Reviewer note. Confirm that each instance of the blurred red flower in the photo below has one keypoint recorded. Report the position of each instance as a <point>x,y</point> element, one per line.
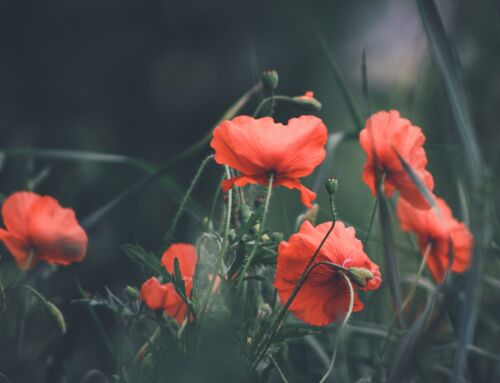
<point>324,296</point>
<point>385,135</point>
<point>164,296</point>
<point>38,228</point>
<point>437,229</point>
<point>260,147</point>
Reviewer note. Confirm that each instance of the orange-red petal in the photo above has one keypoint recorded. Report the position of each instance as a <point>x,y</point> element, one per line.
<point>154,293</point>
<point>19,248</point>
<point>185,254</point>
<point>385,135</point>
<point>324,297</point>
<point>437,228</point>
<point>260,147</point>
<point>55,233</point>
<point>15,212</point>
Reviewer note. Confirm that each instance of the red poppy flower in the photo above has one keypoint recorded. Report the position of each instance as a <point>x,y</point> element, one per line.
<point>436,229</point>
<point>260,147</point>
<point>385,135</point>
<point>38,228</point>
<point>324,296</point>
<point>164,296</point>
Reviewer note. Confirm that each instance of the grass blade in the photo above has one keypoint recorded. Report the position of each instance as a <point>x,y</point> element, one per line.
<point>447,62</point>
<point>391,260</point>
<point>346,93</point>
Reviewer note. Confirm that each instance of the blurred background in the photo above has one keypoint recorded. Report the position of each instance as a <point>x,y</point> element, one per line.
<point>146,78</point>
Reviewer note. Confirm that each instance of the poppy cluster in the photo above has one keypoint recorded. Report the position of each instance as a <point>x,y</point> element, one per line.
<point>39,229</point>
<point>387,137</point>
<point>163,296</point>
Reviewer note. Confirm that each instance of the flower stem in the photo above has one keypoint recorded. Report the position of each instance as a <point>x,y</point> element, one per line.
<point>408,299</point>
<point>250,258</point>
<point>346,318</point>
<point>266,342</point>
<point>189,191</point>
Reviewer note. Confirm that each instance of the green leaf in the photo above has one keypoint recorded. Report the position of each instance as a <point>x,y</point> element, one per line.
<point>178,278</point>
<point>422,188</point>
<point>53,312</point>
<point>144,258</point>
<point>391,260</point>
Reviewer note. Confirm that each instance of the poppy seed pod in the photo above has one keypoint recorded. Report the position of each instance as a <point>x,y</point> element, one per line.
<point>270,79</point>
<point>332,185</point>
<point>360,276</point>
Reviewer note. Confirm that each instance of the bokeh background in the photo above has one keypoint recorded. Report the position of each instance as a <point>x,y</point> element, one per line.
<point>146,78</point>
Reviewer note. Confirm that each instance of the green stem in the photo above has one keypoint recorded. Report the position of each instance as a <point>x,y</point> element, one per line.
<point>173,226</point>
<point>370,223</point>
<point>408,299</point>
<point>250,258</point>
<point>272,100</point>
<point>266,342</point>
<point>349,312</point>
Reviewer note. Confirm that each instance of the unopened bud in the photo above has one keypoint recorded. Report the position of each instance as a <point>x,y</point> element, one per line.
<point>132,293</point>
<point>56,316</point>
<point>277,236</point>
<point>270,79</point>
<point>360,276</point>
<point>307,101</point>
<point>332,185</point>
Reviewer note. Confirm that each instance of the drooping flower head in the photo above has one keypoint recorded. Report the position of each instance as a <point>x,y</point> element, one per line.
<point>39,229</point>
<point>436,229</point>
<point>260,147</point>
<point>385,135</point>
<point>164,296</point>
<point>324,297</point>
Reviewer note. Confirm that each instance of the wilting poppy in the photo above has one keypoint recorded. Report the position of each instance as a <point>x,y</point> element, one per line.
<point>385,135</point>
<point>164,296</point>
<point>38,228</point>
<point>324,296</point>
<point>260,147</point>
<point>436,229</point>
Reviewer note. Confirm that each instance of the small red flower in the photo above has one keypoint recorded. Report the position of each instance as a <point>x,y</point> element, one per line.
<point>260,147</point>
<point>164,296</point>
<point>38,228</point>
<point>385,135</point>
<point>436,229</point>
<point>324,296</point>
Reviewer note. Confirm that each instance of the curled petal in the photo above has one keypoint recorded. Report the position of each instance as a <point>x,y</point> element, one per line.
<point>186,255</point>
<point>19,248</point>
<point>307,196</point>
<point>55,233</point>
<point>154,293</point>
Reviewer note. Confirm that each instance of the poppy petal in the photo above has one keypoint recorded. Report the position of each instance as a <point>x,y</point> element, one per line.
<point>18,247</point>
<point>186,255</point>
<point>154,293</point>
<point>15,211</point>
<point>241,181</point>
<point>55,233</point>
<point>307,196</point>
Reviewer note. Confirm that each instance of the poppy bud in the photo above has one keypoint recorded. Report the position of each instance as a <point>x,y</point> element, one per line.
<point>308,102</point>
<point>56,316</point>
<point>270,80</point>
<point>360,276</point>
<point>265,238</point>
<point>332,185</point>
<point>277,236</point>
<point>132,293</point>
